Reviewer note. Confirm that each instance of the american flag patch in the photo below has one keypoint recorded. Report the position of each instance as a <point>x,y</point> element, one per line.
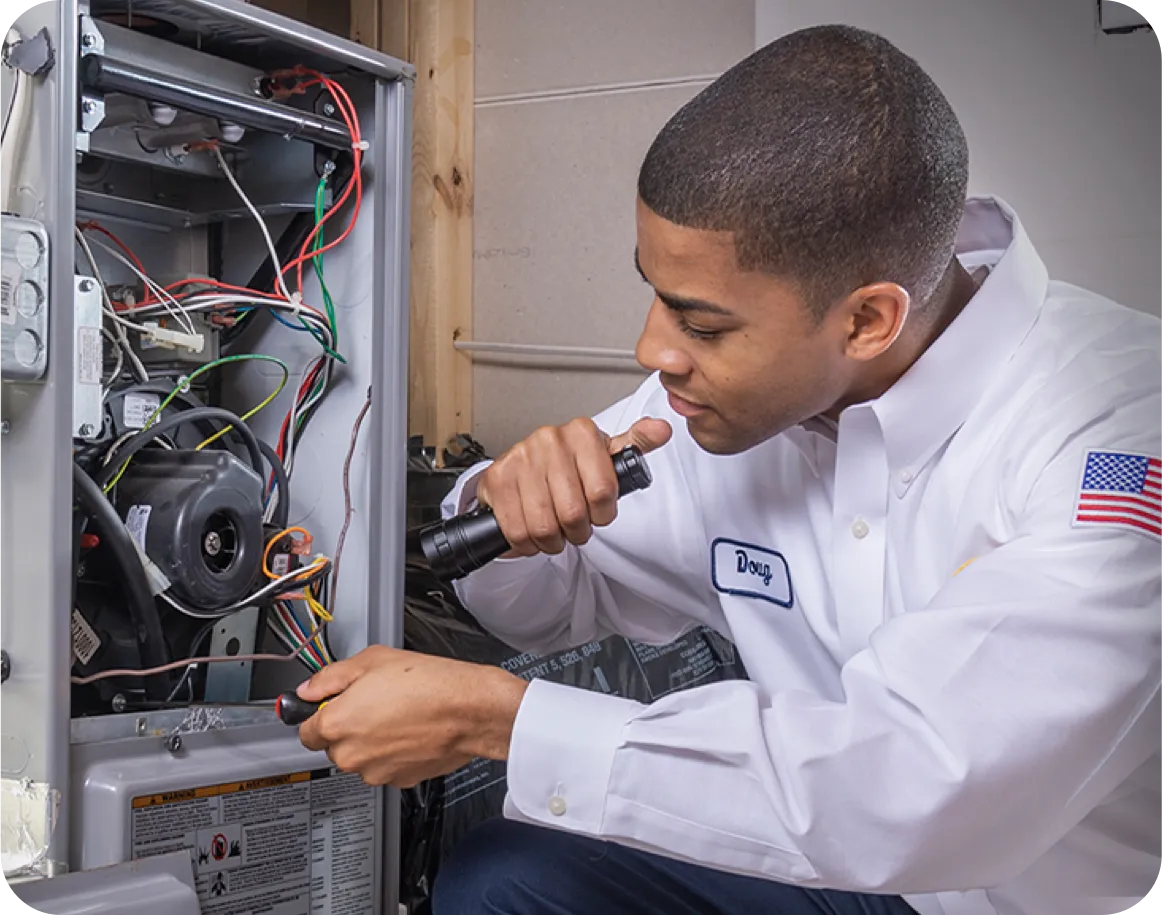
<point>1119,490</point>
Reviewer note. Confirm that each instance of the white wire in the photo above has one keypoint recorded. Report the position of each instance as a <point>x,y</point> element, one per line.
<point>172,305</point>
<point>138,367</point>
<point>269,591</point>
<point>209,302</point>
<point>116,373</point>
<point>226,170</point>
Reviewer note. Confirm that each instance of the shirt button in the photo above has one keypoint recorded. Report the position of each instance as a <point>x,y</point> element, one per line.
<point>860,529</point>
<point>906,476</point>
<point>557,805</point>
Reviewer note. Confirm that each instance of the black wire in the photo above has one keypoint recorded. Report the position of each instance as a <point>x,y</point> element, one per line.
<point>143,438</point>
<point>282,484</point>
<point>142,609</point>
<point>199,638</point>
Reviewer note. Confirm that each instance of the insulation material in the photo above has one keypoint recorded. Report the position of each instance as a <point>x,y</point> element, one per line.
<point>28,818</point>
<point>436,815</point>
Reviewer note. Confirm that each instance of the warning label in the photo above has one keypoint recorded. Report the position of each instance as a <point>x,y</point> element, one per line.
<point>666,673</point>
<point>295,844</point>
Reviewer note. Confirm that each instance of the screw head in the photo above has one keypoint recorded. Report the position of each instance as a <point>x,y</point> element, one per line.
<point>329,108</point>
<point>88,106</point>
<point>119,703</point>
<point>174,743</point>
<point>87,41</point>
<point>86,430</point>
<point>86,285</point>
<point>212,544</point>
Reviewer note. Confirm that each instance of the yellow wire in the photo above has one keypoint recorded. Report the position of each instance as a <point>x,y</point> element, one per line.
<point>225,360</point>
<point>317,608</point>
<point>221,432</point>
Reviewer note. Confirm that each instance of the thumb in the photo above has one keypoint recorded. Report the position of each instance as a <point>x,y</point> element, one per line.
<point>331,681</point>
<point>646,434</point>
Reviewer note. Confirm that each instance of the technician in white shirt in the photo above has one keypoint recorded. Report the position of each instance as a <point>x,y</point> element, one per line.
<point>916,483</point>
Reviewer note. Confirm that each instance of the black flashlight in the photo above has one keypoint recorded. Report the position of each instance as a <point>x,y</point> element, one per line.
<point>463,544</point>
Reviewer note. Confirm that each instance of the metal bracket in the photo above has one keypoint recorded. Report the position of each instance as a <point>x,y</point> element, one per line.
<point>92,111</point>
<point>92,41</point>
<point>232,635</point>
<point>88,359</point>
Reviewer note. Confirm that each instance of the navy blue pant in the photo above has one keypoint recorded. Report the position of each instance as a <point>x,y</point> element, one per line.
<point>506,868</point>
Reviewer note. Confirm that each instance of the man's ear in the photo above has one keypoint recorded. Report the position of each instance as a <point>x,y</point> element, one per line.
<point>874,316</point>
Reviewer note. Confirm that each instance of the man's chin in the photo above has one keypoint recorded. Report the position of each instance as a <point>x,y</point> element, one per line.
<point>713,441</point>
<point>718,440</point>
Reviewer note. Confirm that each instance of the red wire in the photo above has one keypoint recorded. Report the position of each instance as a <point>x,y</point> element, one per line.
<point>97,227</point>
<point>347,112</point>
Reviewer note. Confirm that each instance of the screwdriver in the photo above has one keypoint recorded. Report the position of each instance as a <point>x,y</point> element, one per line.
<point>294,711</point>
<point>289,708</point>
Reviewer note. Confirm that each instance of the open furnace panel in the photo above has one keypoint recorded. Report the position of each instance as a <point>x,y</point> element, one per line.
<point>203,496</point>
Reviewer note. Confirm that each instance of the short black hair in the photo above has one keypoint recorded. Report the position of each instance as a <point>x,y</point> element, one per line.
<point>830,154</point>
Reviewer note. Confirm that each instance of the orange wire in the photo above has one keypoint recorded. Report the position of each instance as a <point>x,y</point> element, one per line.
<point>270,543</point>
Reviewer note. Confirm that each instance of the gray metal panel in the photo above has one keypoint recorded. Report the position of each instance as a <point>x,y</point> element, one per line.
<point>226,25</point>
<point>163,885</point>
<point>108,775</point>
<point>393,144</point>
<point>35,585</point>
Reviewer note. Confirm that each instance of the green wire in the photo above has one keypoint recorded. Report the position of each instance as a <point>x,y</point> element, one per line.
<point>225,360</point>
<point>317,263</point>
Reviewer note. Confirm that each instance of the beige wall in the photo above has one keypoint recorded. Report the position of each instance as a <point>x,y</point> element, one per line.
<point>569,96</point>
<point>1063,120</point>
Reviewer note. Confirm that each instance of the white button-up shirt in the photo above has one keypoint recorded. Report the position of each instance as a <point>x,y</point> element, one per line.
<point>954,654</point>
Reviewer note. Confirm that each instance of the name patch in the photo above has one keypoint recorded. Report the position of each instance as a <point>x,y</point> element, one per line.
<point>747,570</point>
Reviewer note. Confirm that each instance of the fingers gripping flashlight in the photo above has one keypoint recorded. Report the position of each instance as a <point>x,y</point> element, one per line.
<point>463,544</point>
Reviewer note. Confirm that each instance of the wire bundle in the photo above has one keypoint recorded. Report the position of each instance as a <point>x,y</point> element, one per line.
<point>299,601</point>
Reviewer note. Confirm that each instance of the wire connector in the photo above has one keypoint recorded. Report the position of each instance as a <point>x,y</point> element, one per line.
<point>296,303</point>
<point>157,579</point>
<point>172,339</point>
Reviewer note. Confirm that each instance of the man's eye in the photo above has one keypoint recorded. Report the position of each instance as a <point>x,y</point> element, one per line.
<point>696,334</point>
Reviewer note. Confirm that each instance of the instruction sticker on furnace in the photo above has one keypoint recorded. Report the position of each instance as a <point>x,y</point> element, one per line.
<point>295,844</point>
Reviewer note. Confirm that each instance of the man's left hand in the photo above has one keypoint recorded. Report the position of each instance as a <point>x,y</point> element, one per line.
<point>398,717</point>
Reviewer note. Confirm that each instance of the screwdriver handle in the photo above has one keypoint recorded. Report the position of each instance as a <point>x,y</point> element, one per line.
<point>294,711</point>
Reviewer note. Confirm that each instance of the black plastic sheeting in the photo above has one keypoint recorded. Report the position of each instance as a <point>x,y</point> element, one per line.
<point>437,814</point>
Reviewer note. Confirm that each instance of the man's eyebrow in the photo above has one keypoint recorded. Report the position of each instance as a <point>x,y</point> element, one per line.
<point>680,304</point>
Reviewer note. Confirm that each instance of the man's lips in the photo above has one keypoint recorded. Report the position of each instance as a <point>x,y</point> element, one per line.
<point>682,406</point>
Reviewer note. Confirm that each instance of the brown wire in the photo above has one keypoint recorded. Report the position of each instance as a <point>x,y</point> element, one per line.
<point>343,534</point>
<point>186,662</point>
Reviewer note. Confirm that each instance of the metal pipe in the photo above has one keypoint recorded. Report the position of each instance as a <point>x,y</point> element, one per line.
<point>105,74</point>
<point>537,349</point>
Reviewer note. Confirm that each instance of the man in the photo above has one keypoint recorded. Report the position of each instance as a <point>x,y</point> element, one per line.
<point>917,484</point>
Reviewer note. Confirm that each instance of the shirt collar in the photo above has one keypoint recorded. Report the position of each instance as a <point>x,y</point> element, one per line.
<point>929,403</point>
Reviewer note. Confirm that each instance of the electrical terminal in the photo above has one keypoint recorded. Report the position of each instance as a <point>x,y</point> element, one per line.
<point>172,339</point>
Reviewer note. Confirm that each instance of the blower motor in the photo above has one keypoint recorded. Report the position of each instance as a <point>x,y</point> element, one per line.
<point>199,516</point>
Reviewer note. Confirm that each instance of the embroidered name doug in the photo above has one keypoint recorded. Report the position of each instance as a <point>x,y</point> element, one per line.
<point>746,566</point>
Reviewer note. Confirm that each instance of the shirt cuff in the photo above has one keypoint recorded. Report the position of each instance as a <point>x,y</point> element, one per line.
<point>463,495</point>
<point>561,755</point>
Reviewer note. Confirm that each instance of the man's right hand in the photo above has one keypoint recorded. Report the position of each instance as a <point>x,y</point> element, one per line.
<point>559,484</point>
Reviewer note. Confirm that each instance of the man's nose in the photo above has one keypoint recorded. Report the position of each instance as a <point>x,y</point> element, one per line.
<point>657,349</point>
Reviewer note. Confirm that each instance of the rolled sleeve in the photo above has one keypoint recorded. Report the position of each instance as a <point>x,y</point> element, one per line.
<point>562,753</point>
